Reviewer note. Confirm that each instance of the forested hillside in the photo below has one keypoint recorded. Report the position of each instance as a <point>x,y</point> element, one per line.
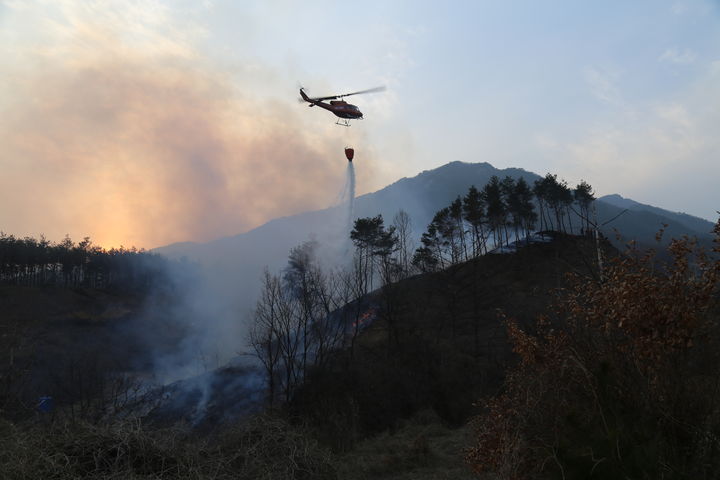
<point>501,340</point>
<point>31,262</point>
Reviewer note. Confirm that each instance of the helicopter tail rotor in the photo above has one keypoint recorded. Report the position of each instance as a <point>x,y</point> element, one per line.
<point>303,96</point>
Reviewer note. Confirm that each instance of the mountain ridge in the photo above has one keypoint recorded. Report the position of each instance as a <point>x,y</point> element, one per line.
<point>691,221</point>
<point>449,176</point>
<point>234,265</point>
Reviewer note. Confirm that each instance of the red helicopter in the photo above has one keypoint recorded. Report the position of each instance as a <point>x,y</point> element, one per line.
<point>340,108</point>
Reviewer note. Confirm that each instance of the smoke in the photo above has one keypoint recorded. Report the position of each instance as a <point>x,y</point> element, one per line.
<point>117,126</point>
<point>214,310</point>
<point>125,132</point>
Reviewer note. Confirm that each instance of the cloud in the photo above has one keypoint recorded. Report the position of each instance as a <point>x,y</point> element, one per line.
<point>664,153</point>
<point>674,55</point>
<point>603,85</point>
<point>114,126</point>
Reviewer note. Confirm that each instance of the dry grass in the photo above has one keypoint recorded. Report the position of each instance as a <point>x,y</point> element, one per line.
<point>125,450</point>
<point>265,448</point>
<point>420,449</point>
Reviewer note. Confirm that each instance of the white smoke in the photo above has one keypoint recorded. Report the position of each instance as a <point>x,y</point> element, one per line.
<point>217,306</point>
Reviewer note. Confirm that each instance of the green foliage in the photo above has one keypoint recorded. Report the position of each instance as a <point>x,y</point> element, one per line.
<point>485,219</point>
<point>370,233</point>
<point>553,197</point>
<point>27,261</point>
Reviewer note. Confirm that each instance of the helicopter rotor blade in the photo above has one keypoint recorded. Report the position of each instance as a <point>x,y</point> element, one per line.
<point>369,90</point>
<point>314,99</point>
<point>319,99</point>
<point>334,97</point>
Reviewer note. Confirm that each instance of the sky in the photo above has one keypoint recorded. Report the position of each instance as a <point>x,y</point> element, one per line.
<point>143,123</point>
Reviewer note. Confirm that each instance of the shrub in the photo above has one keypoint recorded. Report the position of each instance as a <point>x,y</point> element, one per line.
<point>83,450</point>
<point>263,448</point>
<point>269,448</point>
<point>620,381</point>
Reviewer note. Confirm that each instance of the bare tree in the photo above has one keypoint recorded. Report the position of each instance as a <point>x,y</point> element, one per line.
<point>265,331</point>
<point>406,245</point>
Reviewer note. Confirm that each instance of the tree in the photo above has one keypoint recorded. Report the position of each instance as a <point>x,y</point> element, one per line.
<point>565,201</point>
<point>540,189</point>
<point>436,250</point>
<point>496,209</point>
<point>374,248</point>
<point>618,380</point>
<point>553,197</point>
<point>425,258</point>
<point>458,231</point>
<point>524,207</point>
<point>296,326</point>
<point>403,228</point>
<point>28,261</point>
<point>474,215</point>
<point>303,279</point>
<point>365,235</point>
<point>507,189</point>
<point>265,331</point>
<point>584,197</point>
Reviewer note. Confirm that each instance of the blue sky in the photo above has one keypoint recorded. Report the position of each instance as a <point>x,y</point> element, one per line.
<point>625,95</point>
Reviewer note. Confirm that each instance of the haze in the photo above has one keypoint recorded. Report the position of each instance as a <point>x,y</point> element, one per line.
<point>147,123</point>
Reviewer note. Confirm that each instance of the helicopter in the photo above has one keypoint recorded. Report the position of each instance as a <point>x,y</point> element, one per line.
<point>343,110</point>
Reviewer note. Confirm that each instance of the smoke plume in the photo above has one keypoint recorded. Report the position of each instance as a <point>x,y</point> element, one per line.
<point>123,131</point>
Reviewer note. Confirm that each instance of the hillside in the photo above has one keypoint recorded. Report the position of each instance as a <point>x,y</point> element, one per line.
<point>396,405</point>
<point>640,222</point>
<point>439,342</point>
<point>692,223</point>
<point>449,318</point>
<point>441,333</point>
<point>68,343</point>
<point>234,265</point>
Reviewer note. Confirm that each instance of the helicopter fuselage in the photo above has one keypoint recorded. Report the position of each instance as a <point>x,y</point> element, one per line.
<point>340,108</point>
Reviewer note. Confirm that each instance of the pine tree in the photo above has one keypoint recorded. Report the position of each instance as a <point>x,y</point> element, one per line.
<point>474,215</point>
<point>584,197</point>
<point>496,208</point>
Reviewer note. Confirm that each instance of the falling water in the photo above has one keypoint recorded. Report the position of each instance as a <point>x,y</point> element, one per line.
<point>346,197</point>
<point>351,194</point>
<point>343,220</point>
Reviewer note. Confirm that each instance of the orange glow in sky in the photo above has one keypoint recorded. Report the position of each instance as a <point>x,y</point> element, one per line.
<point>137,141</point>
<point>150,122</point>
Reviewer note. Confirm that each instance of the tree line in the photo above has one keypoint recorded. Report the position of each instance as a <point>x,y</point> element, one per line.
<point>32,262</point>
<point>501,212</point>
<point>308,313</point>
